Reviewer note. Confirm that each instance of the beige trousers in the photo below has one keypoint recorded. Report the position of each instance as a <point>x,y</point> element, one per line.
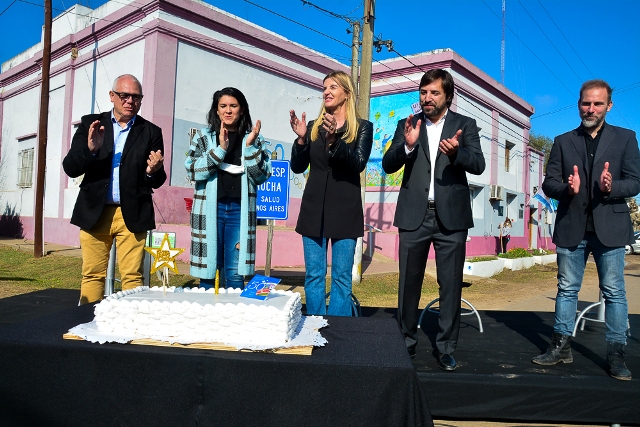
<point>96,244</point>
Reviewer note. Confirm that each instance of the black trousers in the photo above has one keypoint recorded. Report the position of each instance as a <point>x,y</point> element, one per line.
<point>503,243</point>
<point>450,248</point>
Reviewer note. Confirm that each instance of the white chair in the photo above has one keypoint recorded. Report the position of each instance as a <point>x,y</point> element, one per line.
<point>581,318</point>
<point>470,310</point>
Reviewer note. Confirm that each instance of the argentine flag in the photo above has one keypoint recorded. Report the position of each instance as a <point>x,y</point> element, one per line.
<point>549,204</point>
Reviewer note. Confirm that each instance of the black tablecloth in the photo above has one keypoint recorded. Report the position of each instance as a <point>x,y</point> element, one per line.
<point>363,376</point>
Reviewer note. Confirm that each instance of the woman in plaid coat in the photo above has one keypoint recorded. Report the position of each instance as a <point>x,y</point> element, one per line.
<point>227,161</point>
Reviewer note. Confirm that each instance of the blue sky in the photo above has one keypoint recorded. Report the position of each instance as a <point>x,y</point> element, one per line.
<point>552,46</point>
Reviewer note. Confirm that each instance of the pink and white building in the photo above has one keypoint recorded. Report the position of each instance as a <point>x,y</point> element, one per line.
<point>184,50</point>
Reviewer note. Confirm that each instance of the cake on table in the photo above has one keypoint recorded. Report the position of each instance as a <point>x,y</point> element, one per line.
<point>197,316</point>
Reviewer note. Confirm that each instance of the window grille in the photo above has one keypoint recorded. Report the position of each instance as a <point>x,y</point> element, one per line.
<point>25,168</point>
<point>507,155</point>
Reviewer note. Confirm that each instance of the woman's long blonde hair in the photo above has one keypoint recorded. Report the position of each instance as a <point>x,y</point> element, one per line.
<point>344,81</point>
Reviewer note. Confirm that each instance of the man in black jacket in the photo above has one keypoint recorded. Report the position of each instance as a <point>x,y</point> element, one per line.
<point>437,148</point>
<point>591,170</point>
<point>120,155</point>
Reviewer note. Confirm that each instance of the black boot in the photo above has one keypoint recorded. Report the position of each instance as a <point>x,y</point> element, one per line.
<point>559,351</point>
<point>615,361</point>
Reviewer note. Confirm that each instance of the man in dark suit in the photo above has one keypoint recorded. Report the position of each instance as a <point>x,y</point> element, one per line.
<point>437,148</point>
<point>120,155</point>
<point>591,170</point>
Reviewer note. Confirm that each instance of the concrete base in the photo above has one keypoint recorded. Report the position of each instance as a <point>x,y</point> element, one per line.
<point>484,268</point>
<point>519,263</point>
<point>544,259</point>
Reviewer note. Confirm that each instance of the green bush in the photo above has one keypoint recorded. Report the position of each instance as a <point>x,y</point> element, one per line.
<point>538,252</point>
<point>516,253</point>
<point>482,258</point>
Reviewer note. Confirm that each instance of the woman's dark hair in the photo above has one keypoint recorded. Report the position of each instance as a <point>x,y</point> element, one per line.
<point>244,125</point>
<point>446,79</point>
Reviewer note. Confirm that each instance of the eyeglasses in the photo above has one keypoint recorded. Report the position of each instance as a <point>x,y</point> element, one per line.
<point>135,97</point>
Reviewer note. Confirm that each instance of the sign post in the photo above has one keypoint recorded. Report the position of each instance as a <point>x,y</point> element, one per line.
<point>272,202</point>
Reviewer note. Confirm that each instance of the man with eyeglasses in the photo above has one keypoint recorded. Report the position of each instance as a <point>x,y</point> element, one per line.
<point>120,155</point>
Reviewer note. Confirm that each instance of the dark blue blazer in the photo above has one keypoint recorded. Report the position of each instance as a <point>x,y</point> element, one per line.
<point>611,216</point>
<point>450,184</point>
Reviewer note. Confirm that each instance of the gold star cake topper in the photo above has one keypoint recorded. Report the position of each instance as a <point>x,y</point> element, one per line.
<point>164,256</point>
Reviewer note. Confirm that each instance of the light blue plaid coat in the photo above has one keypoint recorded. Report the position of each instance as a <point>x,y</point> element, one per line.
<point>202,167</point>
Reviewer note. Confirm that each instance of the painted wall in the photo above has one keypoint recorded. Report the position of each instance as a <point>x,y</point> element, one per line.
<point>94,80</point>
<point>482,115</point>
<point>54,147</point>
<point>270,98</point>
<point>182,52</point>
<point>19,132</point>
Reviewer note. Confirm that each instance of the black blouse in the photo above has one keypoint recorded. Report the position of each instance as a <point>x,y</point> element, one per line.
<point>331,204</point>
<point>229,185</point>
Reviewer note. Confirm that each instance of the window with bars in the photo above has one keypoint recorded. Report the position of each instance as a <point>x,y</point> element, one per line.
<point>507,154</point>
<point>25,168</point>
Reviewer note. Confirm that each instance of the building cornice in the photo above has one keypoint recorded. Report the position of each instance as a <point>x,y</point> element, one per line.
<point>418,64</point>
<point>194,12</point>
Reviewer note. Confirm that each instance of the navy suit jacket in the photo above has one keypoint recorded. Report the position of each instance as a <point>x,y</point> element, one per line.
<point>450,184</point>
<point>611,217</point>
<point>135,186</point>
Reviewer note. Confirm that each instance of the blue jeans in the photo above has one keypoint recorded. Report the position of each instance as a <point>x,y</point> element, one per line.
<point>610,265</point>
<point>315,260</point>
<point>228,243</point>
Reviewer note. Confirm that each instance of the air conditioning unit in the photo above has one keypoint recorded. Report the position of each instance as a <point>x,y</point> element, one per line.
<point>496,192</point>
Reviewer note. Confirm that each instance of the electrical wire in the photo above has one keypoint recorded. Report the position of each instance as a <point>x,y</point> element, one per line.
<point>562,56</point>
<point>565,38</point>
<point>550,41</point>
<point>7,8</point>
<point>298,23</point>
<point>530,50</point>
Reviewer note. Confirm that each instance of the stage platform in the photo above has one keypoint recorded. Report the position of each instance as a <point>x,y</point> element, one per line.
<point>495,380</point>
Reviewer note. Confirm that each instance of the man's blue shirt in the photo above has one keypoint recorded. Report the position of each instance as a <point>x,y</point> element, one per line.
<point>119,138</point>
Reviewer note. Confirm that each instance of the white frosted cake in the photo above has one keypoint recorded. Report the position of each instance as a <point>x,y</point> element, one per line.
<point>196,315</point>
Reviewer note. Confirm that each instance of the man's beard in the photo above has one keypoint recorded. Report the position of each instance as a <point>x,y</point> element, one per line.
<point>435,112</point>
<point>592,124</point>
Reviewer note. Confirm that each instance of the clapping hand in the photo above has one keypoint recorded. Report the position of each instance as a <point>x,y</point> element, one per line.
<point>298,126</point>
<point>411,133</point>
<point>574,182</point>
<point>450,146</point>
<point>154,162</point>
<point>254,133</point>
<point>224,137</point>
<point>330,125</point>
<point>605,179</point>
<point>96,136</point>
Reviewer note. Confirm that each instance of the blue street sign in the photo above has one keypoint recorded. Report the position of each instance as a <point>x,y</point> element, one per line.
<point>273,195</point>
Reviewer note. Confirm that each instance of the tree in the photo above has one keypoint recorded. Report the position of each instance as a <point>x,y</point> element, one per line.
<point>541,143</point>
<point>635,212</point>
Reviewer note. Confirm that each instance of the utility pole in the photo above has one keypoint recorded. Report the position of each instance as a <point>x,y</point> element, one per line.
<point>362,86</point>
<point>502,50</point>
<point>355,50</point>
<point>364,95</point>
<point>38,238</point>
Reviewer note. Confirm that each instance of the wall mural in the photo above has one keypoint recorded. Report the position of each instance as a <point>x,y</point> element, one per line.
<point>384,113</point>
